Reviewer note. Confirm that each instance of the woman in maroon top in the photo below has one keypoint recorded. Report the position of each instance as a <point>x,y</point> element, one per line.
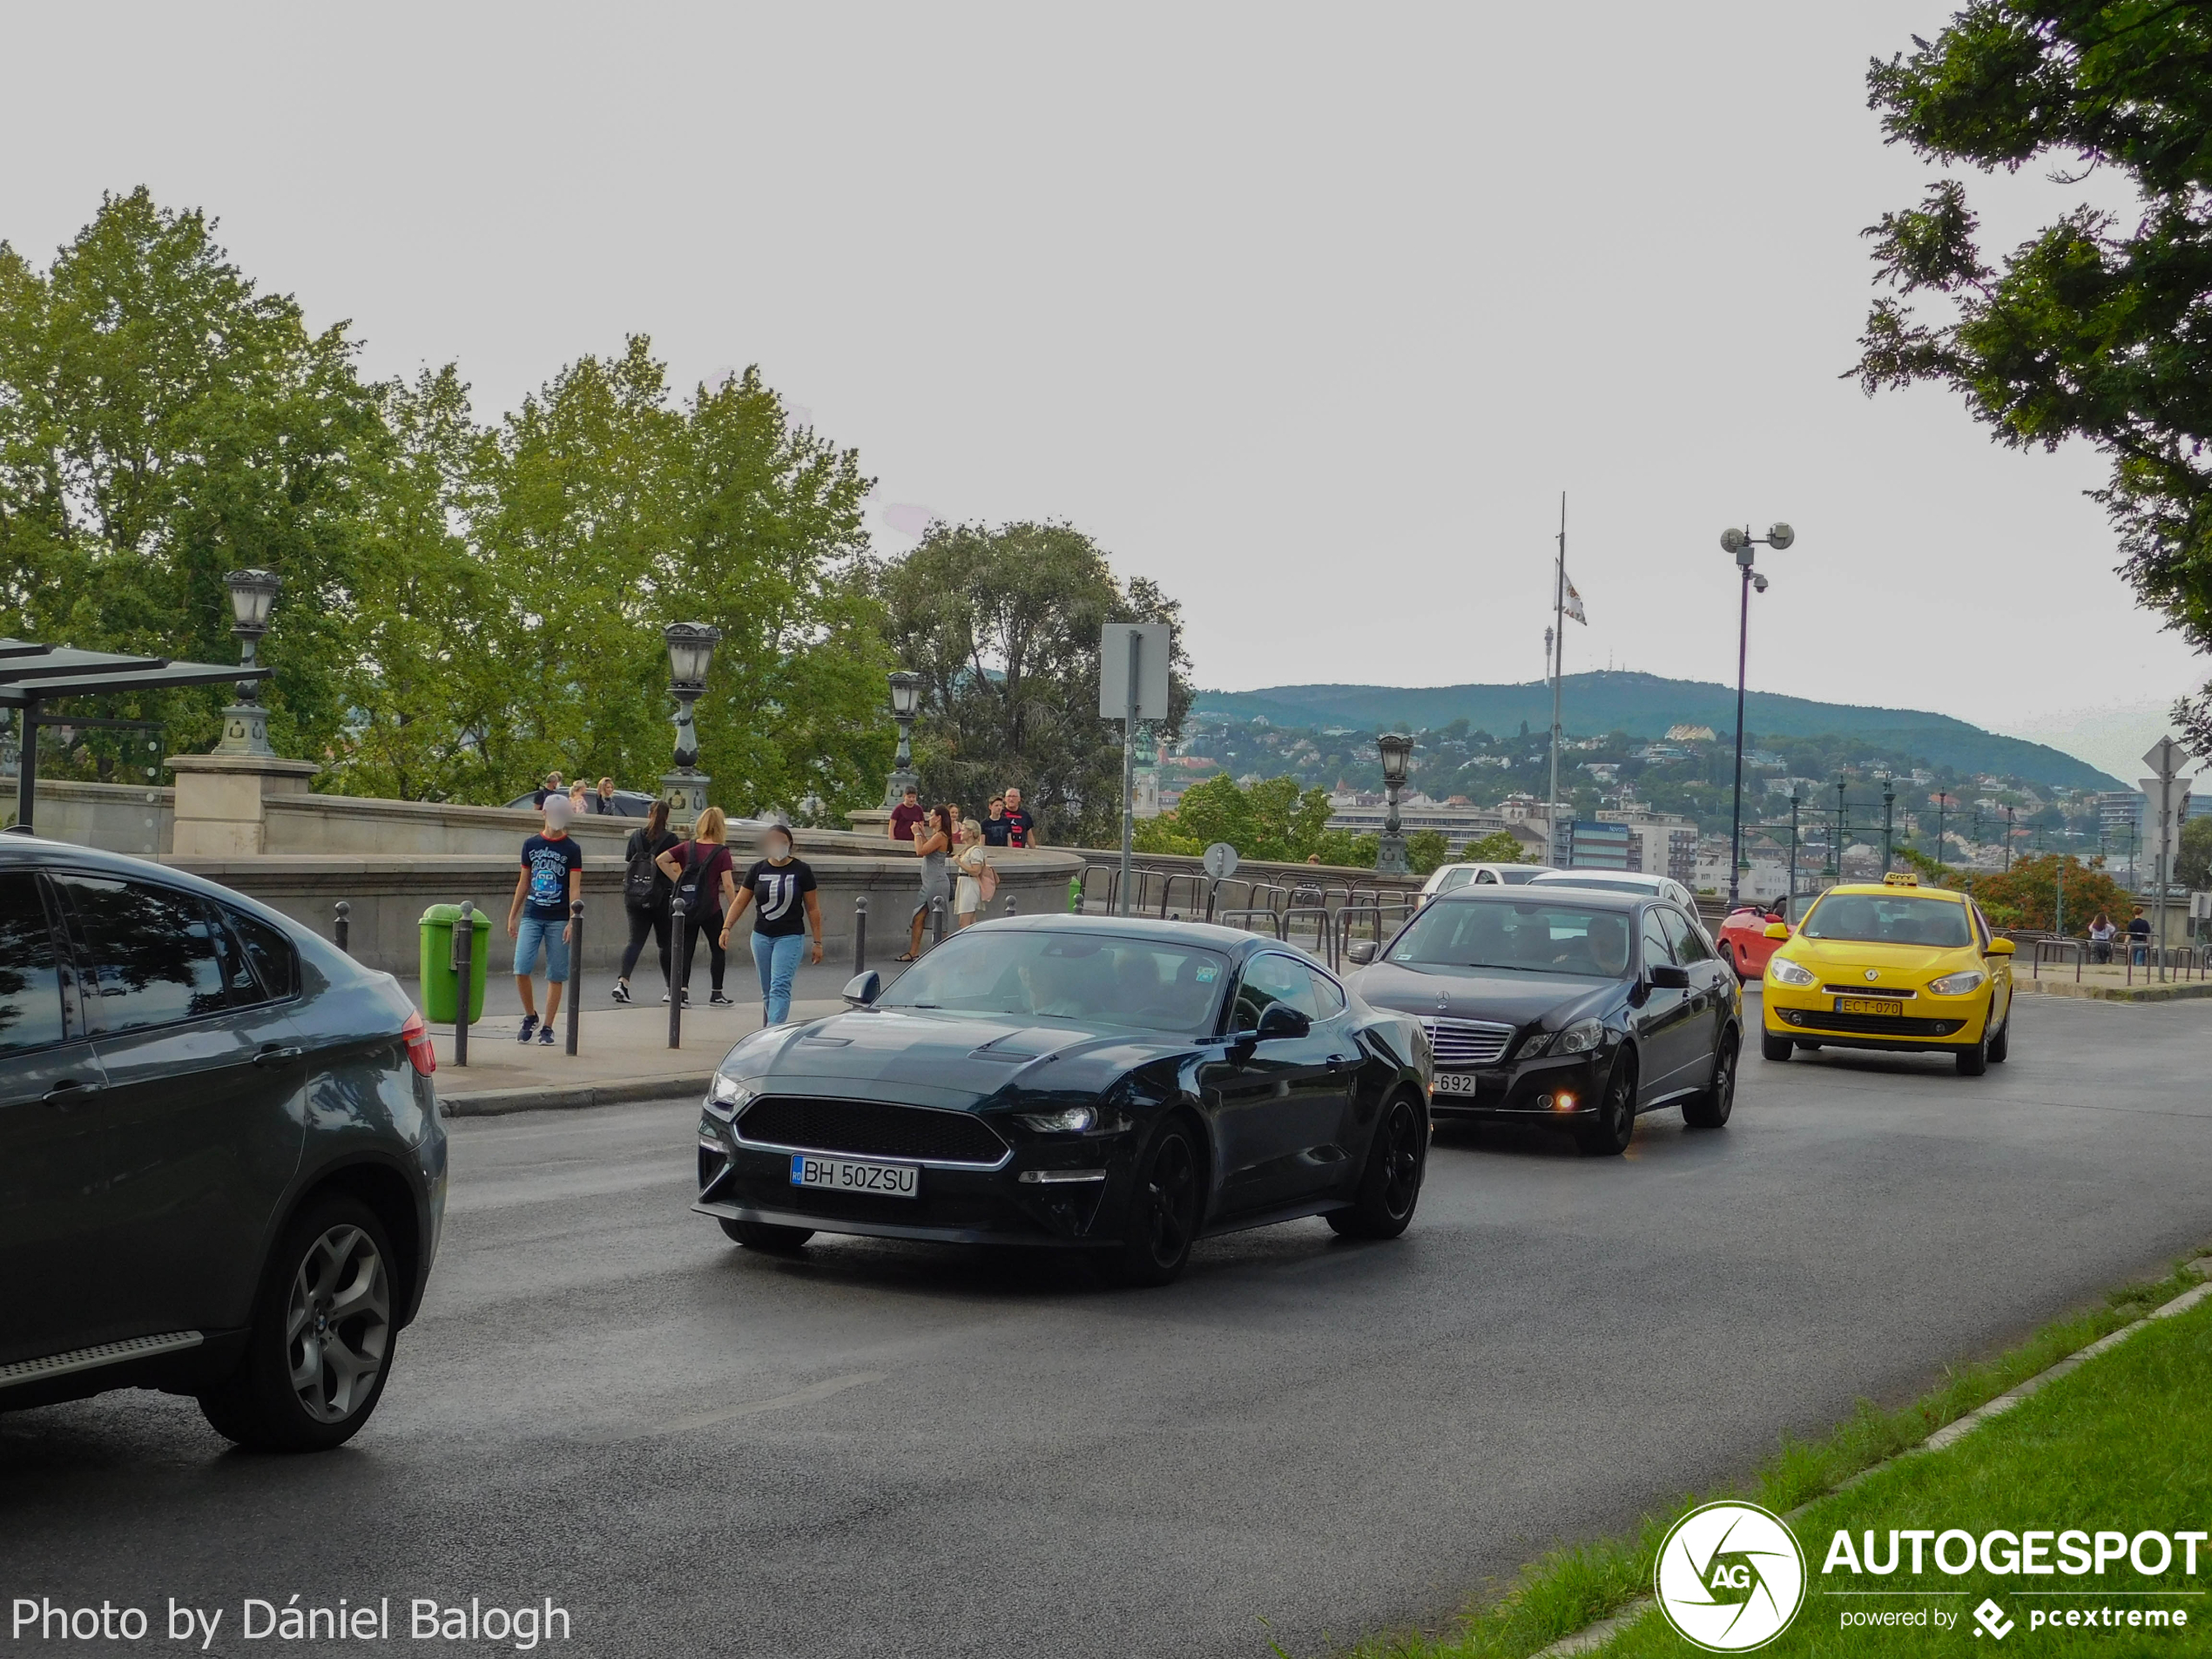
<point>704,851</point>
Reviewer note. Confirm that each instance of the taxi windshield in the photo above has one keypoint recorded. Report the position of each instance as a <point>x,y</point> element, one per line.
<point>1887,919</point>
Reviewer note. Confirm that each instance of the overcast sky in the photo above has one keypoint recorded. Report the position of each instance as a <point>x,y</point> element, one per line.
<point>1310,313</point>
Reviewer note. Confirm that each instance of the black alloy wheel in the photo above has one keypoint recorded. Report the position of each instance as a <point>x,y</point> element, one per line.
<point>2001,1044</point>
<point>1710,1109</point>
<point>320,1345</point>
<point>1389,1185</point>
<point>1615,1125</point>
<point>1974,1060</point>
<point>1163,1211</point>
<point>761,1235</point>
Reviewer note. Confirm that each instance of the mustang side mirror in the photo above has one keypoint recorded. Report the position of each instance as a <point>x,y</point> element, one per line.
<point>1359,951</point>
<point>1281,1020</point>
<point>1669,976</point>
<point>1777,930</point>
<point>2000,947</point>
<point>862,989</point>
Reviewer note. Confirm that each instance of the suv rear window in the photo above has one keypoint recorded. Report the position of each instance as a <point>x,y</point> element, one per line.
<point>154,957</point>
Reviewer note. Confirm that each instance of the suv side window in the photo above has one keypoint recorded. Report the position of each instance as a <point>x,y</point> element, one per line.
<point>1688,943</point>
<point>1269,978</point>
<point>30,978</point>
<point>275,962</point>
<point>154,959</point>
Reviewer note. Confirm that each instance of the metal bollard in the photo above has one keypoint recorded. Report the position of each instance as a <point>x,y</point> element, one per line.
<point>936,922</point>
<point>575,970</point>
<point>860,934</point>
<point>464,951</point>
<point>679,958</point>
<point>1011,907</point>
<point>342,930</point>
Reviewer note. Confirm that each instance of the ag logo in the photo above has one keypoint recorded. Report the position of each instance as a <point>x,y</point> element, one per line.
<point>1730,1577</point>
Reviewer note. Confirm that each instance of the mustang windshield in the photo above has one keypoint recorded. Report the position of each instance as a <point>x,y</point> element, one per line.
<point>1532,936</point>
<point>1152,984</point>
<point>1884,919</point>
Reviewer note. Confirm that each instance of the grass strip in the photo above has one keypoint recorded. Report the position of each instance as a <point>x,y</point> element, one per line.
<point>1570,1588</point>
<point>2123,1443</point>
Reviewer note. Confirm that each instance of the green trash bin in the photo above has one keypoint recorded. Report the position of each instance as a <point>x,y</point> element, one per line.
<point>440,988</point>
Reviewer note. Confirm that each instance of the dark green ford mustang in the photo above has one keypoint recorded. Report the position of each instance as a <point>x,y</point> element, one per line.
<point>1122,1086</point>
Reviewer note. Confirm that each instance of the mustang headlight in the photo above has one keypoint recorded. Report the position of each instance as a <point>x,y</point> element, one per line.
<point>1956,984</point>
<point>726,1096</point>
<point>1783,971</point>
<point>1074,1121</point>
<point>1579,1038</point>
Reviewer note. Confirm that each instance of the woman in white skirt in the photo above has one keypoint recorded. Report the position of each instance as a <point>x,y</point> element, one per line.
<point>970,860</point>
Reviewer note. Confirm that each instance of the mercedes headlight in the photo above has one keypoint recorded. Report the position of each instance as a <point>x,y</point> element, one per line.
<point>726,1096</point>
<point>1579,1038</point>
<point>1074,1121</point>
<point>1958,984</point>
<point>1783,971</point>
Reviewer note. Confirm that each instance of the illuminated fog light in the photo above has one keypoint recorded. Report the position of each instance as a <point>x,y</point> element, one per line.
<point>1566,1102</point>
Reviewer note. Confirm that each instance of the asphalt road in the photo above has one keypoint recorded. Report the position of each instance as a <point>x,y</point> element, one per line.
<point>901,1450</point>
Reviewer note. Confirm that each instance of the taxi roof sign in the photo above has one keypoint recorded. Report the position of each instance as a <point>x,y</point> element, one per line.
<point>1900,879</point>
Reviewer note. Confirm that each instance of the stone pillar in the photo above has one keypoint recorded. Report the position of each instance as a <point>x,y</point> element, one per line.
<point>684,790</point>
<point>220,800</point>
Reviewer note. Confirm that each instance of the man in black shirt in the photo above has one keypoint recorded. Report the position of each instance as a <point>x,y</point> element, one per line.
<point>2139,937</point>
<point>1021,830</point>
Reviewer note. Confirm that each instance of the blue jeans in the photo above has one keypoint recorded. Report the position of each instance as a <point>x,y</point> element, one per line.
<point>777,957</point>
<point>533,933</point>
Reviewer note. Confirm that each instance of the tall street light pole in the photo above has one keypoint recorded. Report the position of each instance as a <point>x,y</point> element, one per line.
<point>1790,907</point>
<point>691,648</point>
<point>1836,852</point>
<point>1889,823</point>
<point>906,698</point>
<point>245,722</point>
<point>1740,544</point>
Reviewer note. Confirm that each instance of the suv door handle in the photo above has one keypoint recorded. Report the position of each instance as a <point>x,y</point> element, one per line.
<point>68,1092</point>
<point>272,1055</point>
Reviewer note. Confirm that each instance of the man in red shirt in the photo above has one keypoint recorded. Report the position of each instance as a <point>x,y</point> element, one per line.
<point>906,815</point>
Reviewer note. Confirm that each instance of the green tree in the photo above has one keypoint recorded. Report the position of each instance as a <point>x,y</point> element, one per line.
<point>1003,626</point>
<point>1499,846</point>
<point>2193,863</point>
<point>1426,849</point>
<point>162,422</point>
<point>2096,328</point>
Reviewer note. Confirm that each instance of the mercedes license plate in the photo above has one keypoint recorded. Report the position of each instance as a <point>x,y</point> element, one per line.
<point>1457,1083</point>
<point>846,1175</point>
<point>1866,1005</point>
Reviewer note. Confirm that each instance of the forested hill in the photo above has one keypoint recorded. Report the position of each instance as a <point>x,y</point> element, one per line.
<point>1644,705</point>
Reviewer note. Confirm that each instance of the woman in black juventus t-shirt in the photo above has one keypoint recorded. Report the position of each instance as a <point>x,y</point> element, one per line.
<point>780,890</point>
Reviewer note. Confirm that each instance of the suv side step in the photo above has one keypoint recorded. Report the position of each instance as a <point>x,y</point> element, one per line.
<point>106,1353</point>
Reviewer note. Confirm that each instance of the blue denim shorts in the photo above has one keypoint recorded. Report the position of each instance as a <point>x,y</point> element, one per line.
<point>533,933</point>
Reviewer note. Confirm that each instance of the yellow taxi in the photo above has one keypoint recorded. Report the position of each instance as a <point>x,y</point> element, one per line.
<point>1894,966</point>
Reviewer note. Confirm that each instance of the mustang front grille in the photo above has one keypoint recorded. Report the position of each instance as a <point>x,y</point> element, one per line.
<point>871,1129</point>
<point>1458,1043</point>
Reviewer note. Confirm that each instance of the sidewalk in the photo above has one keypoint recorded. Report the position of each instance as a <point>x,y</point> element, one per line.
<point>621,1053</point>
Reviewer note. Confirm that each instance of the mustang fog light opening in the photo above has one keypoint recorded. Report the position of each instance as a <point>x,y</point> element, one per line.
<point>1058,1177</point>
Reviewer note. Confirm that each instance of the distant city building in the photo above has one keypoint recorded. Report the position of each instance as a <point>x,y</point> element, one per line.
<point>2120,813</point>
<point>1594,844</point>
<point>1764,759</point>
<point>1667,844</point>
<point>1457,819</point>
<point>1690,734</point>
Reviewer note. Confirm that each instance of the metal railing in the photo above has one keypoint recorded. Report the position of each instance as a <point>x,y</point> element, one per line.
<point>2056,949</point>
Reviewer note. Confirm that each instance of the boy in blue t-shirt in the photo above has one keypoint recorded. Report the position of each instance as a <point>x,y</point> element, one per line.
<point>552,876</point>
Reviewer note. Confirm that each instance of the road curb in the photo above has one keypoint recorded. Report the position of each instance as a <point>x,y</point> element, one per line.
<point>2188,992</point>
<point>490,1103</point>
<point>1595,1636</point>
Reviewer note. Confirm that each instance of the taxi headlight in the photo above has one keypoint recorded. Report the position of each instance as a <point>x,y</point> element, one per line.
<point>1783,971</point>
<point>1958,984</point>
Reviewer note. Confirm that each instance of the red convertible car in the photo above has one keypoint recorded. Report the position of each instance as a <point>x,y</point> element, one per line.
<point>1743,940</point>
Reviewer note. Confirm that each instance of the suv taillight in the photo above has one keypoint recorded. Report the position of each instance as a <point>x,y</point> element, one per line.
<point>416,1036</point>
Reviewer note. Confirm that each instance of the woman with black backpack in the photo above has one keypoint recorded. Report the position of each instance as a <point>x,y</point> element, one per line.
<point>703,887</point>
<point>646,894</point>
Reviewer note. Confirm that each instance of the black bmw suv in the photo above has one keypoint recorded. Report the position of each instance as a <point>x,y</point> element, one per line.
<point>222,1171</point>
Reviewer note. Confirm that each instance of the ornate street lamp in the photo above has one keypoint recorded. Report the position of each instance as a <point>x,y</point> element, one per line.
<point>245,722</point>
<point>1740,543</point>
<point>906,700</point>
<point>1889,822</point>
<point>1396,748</point>
<point>691,648</point>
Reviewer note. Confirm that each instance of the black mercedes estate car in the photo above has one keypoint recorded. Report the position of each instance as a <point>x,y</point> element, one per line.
<point>1561,1005</point>
<point>222,1171</point>
<point>1119,1086</point>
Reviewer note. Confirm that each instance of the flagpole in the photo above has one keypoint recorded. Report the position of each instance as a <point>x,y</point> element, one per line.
<point>1558,652</point>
